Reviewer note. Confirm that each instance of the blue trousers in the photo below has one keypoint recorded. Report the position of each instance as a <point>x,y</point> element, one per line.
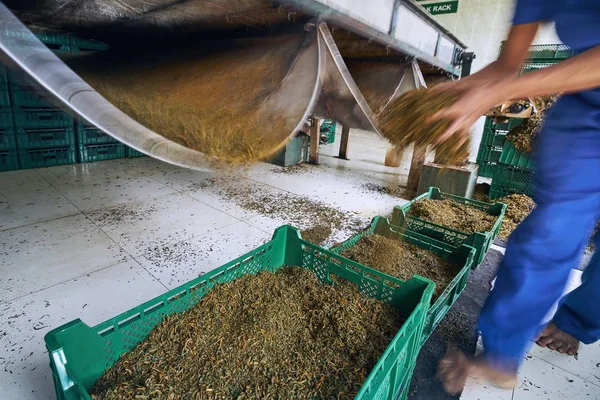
<point>550,242</point>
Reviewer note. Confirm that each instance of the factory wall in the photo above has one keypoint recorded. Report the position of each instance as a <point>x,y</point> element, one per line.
<point>482,25</point>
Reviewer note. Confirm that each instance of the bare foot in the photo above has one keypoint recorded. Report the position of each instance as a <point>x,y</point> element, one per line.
<point>555,339</point>
<point>455,368</point>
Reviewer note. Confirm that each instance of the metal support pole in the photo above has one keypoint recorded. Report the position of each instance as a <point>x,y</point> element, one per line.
<point>416,169</point>
<point>315,137</point>
<point>467,61</point>
<point>344,143</point>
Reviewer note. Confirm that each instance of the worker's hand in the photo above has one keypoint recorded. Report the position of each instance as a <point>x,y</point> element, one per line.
<point>474,101</point>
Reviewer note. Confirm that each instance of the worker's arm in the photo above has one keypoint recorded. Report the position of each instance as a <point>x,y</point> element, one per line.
<point>573,75</point>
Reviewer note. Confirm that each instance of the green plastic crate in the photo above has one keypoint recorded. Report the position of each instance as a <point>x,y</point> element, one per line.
<point>56,41</point>
<point>493,138</point>
<point>328,128</point>
<point>133,153</point>
<point>502,126</point>
<point>7,139</point>
<point>87,134</point>
<point>6,118</point>
<point>510,180</point>
<point>101,152</point>
<point>295,152</point>
<point>9,160</point>
<point>41,117</point>
<point>480,241</point>
<point>528,67</point>
<point>26,96</point>
<point>3,74</point>
<point>487,158</point>
<point>38,158</point>
<point>549,52</point>
<point>4,94</point>
<point>511,156</point>
<point>38,138</point>
<point>462,255</point>
<point>79,354</point>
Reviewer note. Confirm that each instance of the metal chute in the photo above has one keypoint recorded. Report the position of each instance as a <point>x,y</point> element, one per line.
<point>322,79</point>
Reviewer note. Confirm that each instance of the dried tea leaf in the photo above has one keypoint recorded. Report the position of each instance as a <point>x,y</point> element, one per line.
<point>267,336</point>
<point>518,207</point>
<point>407,120</point>
<point>402,260</point>
<point>453,214</point>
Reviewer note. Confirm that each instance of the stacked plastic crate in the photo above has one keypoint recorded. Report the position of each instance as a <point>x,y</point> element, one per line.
<point>45,134</point>
<point>492,143</point>
<point>8,146</point>
<point>95,145</point>
<point>511,171</point>
<point>34,132</point>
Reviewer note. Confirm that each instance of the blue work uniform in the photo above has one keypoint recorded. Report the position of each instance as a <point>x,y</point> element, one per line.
<point>550,242</point>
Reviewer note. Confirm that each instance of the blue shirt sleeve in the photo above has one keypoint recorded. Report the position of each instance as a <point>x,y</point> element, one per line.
<point>528,11</point>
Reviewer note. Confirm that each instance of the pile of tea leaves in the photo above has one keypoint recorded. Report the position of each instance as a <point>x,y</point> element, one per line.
<point>453,214</point>
<point>523,136</point>
<point>200,96</point>
<point>269,336</point>
<point>518,207</point>
<point>317,234</point>
<point>402,260</point>
<point>407,119</point>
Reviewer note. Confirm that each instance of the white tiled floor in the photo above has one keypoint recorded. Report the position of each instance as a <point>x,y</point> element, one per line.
<point>91,241</point>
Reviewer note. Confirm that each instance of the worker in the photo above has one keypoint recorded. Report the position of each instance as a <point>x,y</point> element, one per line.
<point>550,242</point>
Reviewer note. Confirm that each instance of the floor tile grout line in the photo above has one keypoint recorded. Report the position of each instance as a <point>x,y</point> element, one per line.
<point>43,221</point>
<point>151,274</point>
<point>4,302</point>
<point>108,236</point>
<point>183,192</point>
<point>565,370</point>
<point>114,241</point>
<point>51,219</point>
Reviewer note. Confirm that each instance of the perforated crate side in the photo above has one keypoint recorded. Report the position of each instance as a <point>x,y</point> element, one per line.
<point>87,134</point>
<point>133,153</point>
<point>101,152</point>
<point>9,160</point>
<point>480,241</point>
<point>511,156</point>
<point>41,117</point>
<point>39,138</point>
<point>509,179</point>
<point>461,255</point>
<point>8,140</point>
<point>38,158</point>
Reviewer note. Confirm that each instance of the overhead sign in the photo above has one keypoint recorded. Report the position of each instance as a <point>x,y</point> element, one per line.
<point>446,7</point>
